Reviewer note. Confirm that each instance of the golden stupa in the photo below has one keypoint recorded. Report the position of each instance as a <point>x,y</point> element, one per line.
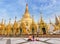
<point>26,21</point>
<point>43,27</point>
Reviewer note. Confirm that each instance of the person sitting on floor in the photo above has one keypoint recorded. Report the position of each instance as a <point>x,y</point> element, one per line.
<point>30,38</point>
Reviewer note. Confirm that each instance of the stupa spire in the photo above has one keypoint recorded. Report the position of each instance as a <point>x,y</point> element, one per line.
<point>26,14</point>
<point>32,18</point>
<point>15,18</point>
<point>59,19</point>
<point>41,19</point>
<point>26,10</point>
<point>2,21</point>
<point>50,21</point>
<point>9,20</point>
<point>56,20</point>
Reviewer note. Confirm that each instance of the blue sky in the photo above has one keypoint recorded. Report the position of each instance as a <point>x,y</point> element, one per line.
<point>12,8</point>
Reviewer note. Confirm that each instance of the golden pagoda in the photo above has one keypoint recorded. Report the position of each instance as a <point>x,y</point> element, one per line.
<point>56,20</point>
<point>56,24</point>
<point>26,19</point>
<point>8,28</point>
<point>15,27</point>
<point>23,29</point>
<point>33,27</point>
<point>2,27</point>
<point>43,28</point>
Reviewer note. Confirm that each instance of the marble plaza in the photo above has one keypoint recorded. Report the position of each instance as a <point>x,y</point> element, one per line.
<point>24,41</point>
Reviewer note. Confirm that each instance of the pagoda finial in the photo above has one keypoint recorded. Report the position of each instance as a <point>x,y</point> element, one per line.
<point>26,8</point>
<point>9,20</point>
<point>15,18</point>
<point>26,4</point>
<point>41,18</point>
<point>2,21</point>
<point>32,18</point>
<point>41,15</point>
<point>50,21</point>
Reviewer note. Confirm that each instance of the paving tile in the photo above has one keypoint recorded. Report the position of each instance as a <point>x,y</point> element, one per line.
<point>20,40</point>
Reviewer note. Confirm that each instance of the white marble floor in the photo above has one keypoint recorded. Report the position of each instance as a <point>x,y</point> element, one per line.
<point>24,41</point>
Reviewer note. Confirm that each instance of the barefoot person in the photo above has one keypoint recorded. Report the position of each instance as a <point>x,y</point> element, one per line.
<point>30,38</point>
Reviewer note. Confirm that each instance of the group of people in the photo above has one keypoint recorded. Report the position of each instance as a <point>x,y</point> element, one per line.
<point>32,38</point>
